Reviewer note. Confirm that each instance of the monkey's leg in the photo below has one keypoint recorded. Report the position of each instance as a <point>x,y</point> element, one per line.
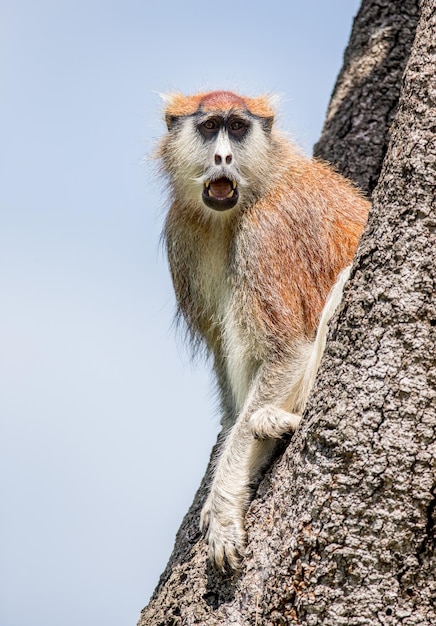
<point>278,418</point>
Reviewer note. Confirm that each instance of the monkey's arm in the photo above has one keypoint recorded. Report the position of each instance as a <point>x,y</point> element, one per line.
<point>246,452</point>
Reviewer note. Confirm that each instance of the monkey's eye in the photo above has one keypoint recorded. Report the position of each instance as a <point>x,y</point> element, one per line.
<point>238,128</point>
<point>237,125</point>
<point>210,126</point>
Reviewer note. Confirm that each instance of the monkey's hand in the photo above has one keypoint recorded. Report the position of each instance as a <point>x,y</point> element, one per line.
<point>221,521</point>
<point>270,422</point>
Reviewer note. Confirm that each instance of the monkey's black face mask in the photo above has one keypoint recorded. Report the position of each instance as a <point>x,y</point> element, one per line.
<point>220,194</point>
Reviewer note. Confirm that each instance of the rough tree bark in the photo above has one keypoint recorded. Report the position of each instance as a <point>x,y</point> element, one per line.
<point>365,98</point>
<point>342,528</point>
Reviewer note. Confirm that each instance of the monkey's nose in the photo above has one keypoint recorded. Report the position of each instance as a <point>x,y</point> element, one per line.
<point>219,159</point>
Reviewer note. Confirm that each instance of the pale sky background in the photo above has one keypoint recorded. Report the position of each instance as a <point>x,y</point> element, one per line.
<point>106,426</point>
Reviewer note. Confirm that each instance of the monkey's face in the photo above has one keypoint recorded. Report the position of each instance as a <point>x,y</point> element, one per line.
<point>221,136</point>
<point>218,158</point>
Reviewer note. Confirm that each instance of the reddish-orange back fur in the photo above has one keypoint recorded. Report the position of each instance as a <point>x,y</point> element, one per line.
<point>295,242</point>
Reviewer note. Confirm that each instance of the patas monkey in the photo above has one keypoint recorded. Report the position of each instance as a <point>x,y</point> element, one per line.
<point>257,236</point>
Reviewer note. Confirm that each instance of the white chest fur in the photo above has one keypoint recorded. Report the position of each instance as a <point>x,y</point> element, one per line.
<point>216,286</point>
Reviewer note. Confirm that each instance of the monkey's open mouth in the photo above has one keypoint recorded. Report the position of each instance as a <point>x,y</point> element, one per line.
<point>220,194</point>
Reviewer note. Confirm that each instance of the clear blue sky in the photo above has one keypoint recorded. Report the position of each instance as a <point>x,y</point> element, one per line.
<point>106,426</point>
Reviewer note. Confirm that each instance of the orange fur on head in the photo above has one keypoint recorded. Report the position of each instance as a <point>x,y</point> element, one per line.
<point>179,105</point>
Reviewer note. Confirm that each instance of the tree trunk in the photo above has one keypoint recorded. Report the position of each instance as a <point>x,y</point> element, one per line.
<point>342,528</point>
<point>365,98</point>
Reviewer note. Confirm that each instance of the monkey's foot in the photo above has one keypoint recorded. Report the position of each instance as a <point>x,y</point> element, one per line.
<point>224,532</point>
<point>270,422</point>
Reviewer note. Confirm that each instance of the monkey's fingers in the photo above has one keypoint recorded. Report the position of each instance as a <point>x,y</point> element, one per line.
<point>270,422</point>
<point>225,535</point>
<point>225,556</point>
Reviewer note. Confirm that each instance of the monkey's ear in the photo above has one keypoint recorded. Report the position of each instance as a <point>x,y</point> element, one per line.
<point>268,122</point>
<point>263,107</point>
<point>170,120</point>
<point>167,99</point>
<point>173,103</point>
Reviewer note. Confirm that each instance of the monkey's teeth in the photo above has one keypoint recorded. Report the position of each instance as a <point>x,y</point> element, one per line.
<point>217,188</point>
<point>229,195</point>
